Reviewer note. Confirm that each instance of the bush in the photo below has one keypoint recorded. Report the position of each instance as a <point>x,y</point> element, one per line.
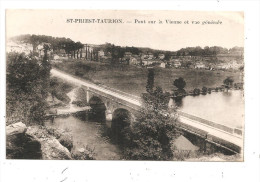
<point>63,136</point>
<point>204,90</point>
<point>182,155</point>
<point>85,153</point>
<point>180,92</point>
<point>196,91</point>
<point>209,90</point>
<point>59,89</point>
<point>66,140</point>
<point>62,97</point>
<point>54,132</point>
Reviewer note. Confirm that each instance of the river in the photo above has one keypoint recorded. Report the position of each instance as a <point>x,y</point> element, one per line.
<point>93,134</point>
<point>225,108</point>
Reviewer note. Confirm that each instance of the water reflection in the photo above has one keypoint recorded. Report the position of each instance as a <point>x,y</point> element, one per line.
<point>89,131</point>
<point>178,101</point>
<point>221,107</point>
<point>227,94</point>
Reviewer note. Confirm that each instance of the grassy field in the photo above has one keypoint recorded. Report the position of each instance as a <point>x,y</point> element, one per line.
<point>133,79</point>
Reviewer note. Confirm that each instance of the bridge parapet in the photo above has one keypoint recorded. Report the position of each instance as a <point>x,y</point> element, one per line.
<point>212,139</point>
<point>225,128</point>
<point>112,99</point>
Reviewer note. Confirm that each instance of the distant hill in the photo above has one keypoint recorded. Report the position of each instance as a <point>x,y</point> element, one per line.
<point>118,51</point>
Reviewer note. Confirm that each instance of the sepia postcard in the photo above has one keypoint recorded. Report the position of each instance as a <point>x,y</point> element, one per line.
<point>147,85</point>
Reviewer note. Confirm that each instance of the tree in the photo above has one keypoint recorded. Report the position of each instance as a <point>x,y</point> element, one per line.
<point>196,91</point>
<point>27,82</point>
<point>151,135</point>
<point>77,47</point>
<point>228,82</point>
<point>180,84</point>
<point>204,90</point>
<point>150,81</point>
<point>45,71</point>
<point>167,56</point>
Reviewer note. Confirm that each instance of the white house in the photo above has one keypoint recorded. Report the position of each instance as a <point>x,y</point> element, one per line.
<point>200,65</point>
<point>134,60</point>
<point>163,65</point>
<point>40,49</point>
<point>150,55</point>
<point>161,56</point>
<point>101,53</point>
<point>176,63</point>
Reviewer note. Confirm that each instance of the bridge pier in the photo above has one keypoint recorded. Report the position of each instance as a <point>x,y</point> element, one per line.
<point>87,95</point>
<point>109,115</point>
<point>206,144</point>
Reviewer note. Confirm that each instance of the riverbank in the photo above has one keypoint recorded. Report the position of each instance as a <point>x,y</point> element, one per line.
<point>42,142</point>
<point>86,132</point>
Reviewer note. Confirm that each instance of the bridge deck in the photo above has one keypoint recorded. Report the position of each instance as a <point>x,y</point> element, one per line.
<point>78,81</point>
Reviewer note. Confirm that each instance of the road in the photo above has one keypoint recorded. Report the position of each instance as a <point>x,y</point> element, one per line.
<point>77,81</point>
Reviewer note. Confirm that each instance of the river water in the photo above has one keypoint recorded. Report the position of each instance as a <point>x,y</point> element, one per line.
<point>93,134</point>
<point>221,107</point>
<point>225,108</point>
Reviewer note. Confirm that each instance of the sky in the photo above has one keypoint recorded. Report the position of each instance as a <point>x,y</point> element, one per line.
<point>162,36</point>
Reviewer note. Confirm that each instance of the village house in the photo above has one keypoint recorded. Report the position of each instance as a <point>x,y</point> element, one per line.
<point>135,60</point>
<point>212,66</point>
<point>143,56</point>
<point>161,56</point>
<point>60,54</point>
<point>101,53</point>
<point>128,54</point>
<point>232,65</point>
<point>163,65</point>
<point>235,65</point>
<point>150,55</point>
<point>176,63</point>
<point>147,62</point>
<point>222,66</point>
<point>200,65</point>
<point>40,49</point>
<point>56,57</point>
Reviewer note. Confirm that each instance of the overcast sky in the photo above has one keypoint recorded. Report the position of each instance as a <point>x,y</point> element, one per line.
<point>158,36</point>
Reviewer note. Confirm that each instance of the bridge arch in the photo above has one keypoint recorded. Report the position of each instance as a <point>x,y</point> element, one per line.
<point>78,97</point>
<point>98,108</point>
<point>121,118</point>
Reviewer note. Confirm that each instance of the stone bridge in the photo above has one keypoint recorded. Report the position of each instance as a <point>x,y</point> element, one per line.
<point>118,106</point>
